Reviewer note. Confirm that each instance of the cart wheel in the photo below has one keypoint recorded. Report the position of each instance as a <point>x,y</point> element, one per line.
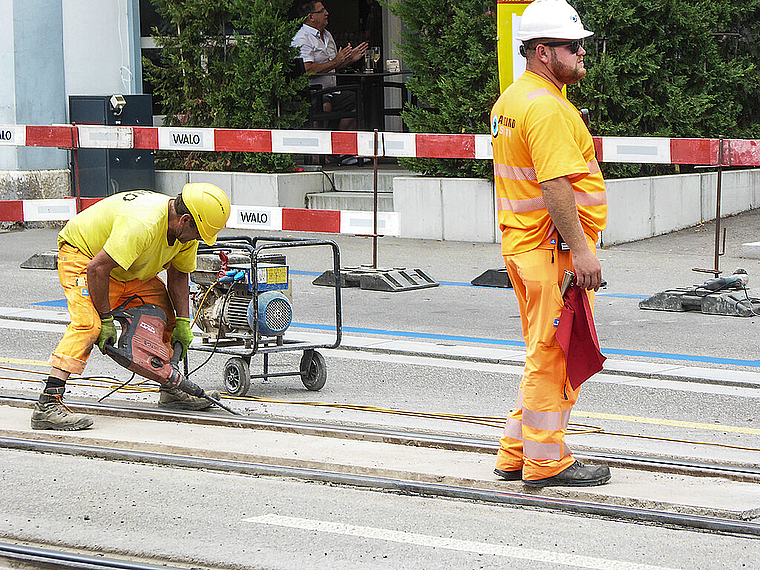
<point>237,376</point>
<point>315,377</point>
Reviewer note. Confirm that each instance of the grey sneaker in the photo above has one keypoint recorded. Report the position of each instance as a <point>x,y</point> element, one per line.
<point>175,399</point>
<point>51,413</point>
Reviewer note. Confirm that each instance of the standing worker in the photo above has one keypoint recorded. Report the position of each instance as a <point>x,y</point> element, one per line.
<point>549,187</point>
<point>113,250</point>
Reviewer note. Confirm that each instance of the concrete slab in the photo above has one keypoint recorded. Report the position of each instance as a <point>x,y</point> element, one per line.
<point>674,493</point>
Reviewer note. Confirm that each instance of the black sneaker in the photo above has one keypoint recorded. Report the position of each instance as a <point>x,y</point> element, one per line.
<point>51,413</point>
<point>577,475</point>
<point>514,475</point>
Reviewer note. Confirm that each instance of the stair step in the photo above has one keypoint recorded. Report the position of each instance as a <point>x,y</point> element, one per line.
<point>362,179</point>
<point>358,201</point>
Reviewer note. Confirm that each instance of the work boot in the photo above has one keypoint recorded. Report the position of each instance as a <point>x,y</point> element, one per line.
<point>514,475</point>
<point>176,399</point>
<point>577,475</point>
<point>51,413</point>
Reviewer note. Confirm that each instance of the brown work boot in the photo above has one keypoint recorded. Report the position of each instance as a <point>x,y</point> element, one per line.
<point>176,399</point>
<point>577,475</point>
<point>51,413</point>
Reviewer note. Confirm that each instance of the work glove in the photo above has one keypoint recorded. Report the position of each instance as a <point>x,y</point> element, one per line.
<point>107,333</point>
<point>182,334</point>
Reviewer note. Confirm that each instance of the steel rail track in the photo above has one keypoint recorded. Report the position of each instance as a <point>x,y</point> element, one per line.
<point>425,489</point>
<point>23,556</point>
<point>734,472</point>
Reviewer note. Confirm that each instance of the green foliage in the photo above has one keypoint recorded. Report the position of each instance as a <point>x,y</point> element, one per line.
<point>450,47</point>
<point>228,63</point>
<point>670,68</point>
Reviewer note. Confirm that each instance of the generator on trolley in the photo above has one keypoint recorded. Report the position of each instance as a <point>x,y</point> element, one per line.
<point>242,302</point>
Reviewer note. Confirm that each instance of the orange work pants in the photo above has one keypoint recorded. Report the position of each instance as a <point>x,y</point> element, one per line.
<point>534,434</point>
<point>74,349</point>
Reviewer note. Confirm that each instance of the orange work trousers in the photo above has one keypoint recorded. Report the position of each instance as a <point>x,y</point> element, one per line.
<point>72,352</point>
<point>534,434</point>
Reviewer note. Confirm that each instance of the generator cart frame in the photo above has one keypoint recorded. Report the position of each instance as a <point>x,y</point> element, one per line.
<point>242,347</point>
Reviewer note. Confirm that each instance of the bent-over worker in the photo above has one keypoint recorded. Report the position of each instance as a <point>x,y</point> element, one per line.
<point>113,250</point>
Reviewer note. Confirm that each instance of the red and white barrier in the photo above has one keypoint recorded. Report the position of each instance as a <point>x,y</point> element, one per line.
<point>736,152</point>
<point>262,218</point>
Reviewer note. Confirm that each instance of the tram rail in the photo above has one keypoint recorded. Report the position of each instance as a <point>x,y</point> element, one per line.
<point>419,488</point>
<point>24,556</point>
<point>661,464</point>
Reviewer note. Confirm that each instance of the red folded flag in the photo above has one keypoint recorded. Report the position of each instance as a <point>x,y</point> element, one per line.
<point>576,335</point>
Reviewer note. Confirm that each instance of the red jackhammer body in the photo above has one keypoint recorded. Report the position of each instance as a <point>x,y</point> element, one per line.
<point>142,350</point>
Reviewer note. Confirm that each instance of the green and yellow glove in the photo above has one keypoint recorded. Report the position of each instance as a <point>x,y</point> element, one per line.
<point>183,334</point>
<point>107,333</point>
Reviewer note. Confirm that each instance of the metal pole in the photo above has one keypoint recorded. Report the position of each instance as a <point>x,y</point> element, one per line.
<point>717,208</point>
<point>374,206</point>
<point>74,150</point>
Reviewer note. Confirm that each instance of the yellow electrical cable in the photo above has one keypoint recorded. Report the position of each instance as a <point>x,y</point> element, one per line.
<point>488,421</point>
<point>22,370</point>
<point>200,306</point>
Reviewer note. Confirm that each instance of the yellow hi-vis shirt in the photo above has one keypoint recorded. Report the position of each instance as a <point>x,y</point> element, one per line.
<point>538,135</point>
<point>131,226</point>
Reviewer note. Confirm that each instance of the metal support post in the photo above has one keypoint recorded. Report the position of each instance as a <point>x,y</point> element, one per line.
<point>374,205</point>
<point>718,195</point>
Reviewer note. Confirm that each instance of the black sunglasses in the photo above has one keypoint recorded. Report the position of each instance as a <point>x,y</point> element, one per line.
<point>574,45</point>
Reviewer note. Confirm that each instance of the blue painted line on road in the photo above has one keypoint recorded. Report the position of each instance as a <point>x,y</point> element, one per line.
<point>408,334</point>
<point>465,284</point>
<point>56,303</point>
<point>518,343</point>
<point>498,342</point>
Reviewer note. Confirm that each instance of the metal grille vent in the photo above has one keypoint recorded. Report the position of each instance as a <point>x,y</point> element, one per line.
<point>278,314</point>
<point>236,313</point>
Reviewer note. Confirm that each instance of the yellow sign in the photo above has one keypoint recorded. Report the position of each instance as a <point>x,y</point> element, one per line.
<point>276,275</point>
<point>511,63</point>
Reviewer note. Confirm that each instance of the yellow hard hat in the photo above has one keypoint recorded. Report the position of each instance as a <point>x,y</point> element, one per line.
<point>209,206</point>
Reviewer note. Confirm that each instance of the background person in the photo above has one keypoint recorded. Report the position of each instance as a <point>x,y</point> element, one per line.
<point>321,56</point>
<point>548,185</point>
<point>115,249</point>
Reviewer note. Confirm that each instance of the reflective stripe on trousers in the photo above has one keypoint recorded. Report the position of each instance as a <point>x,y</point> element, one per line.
<point>534,434</point>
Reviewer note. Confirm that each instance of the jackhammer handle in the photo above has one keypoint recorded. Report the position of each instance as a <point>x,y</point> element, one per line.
<point>177,347</point>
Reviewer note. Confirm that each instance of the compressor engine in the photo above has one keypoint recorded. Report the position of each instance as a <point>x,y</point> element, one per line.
<point>224,290</point>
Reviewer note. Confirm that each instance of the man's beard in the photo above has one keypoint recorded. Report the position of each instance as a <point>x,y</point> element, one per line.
<point>564,73</point>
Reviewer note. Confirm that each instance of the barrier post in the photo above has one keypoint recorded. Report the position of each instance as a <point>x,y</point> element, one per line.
<point>374,203</point>
<point>718,197</point>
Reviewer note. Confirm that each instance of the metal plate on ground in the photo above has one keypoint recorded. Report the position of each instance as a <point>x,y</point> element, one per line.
<point>729,303</point>
<point>46,260</point>
<point>493,278</point>
<point>389,280</point>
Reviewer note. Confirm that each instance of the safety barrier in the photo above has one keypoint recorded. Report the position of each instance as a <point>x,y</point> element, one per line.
<point>705,152</point>
<point>651,150</point>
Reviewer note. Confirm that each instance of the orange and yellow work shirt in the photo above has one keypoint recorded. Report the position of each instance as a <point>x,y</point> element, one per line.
<point>538,135</point>
<point>132,228</point>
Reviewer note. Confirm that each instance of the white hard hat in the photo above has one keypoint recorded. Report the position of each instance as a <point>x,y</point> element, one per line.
<point>551,19</point>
